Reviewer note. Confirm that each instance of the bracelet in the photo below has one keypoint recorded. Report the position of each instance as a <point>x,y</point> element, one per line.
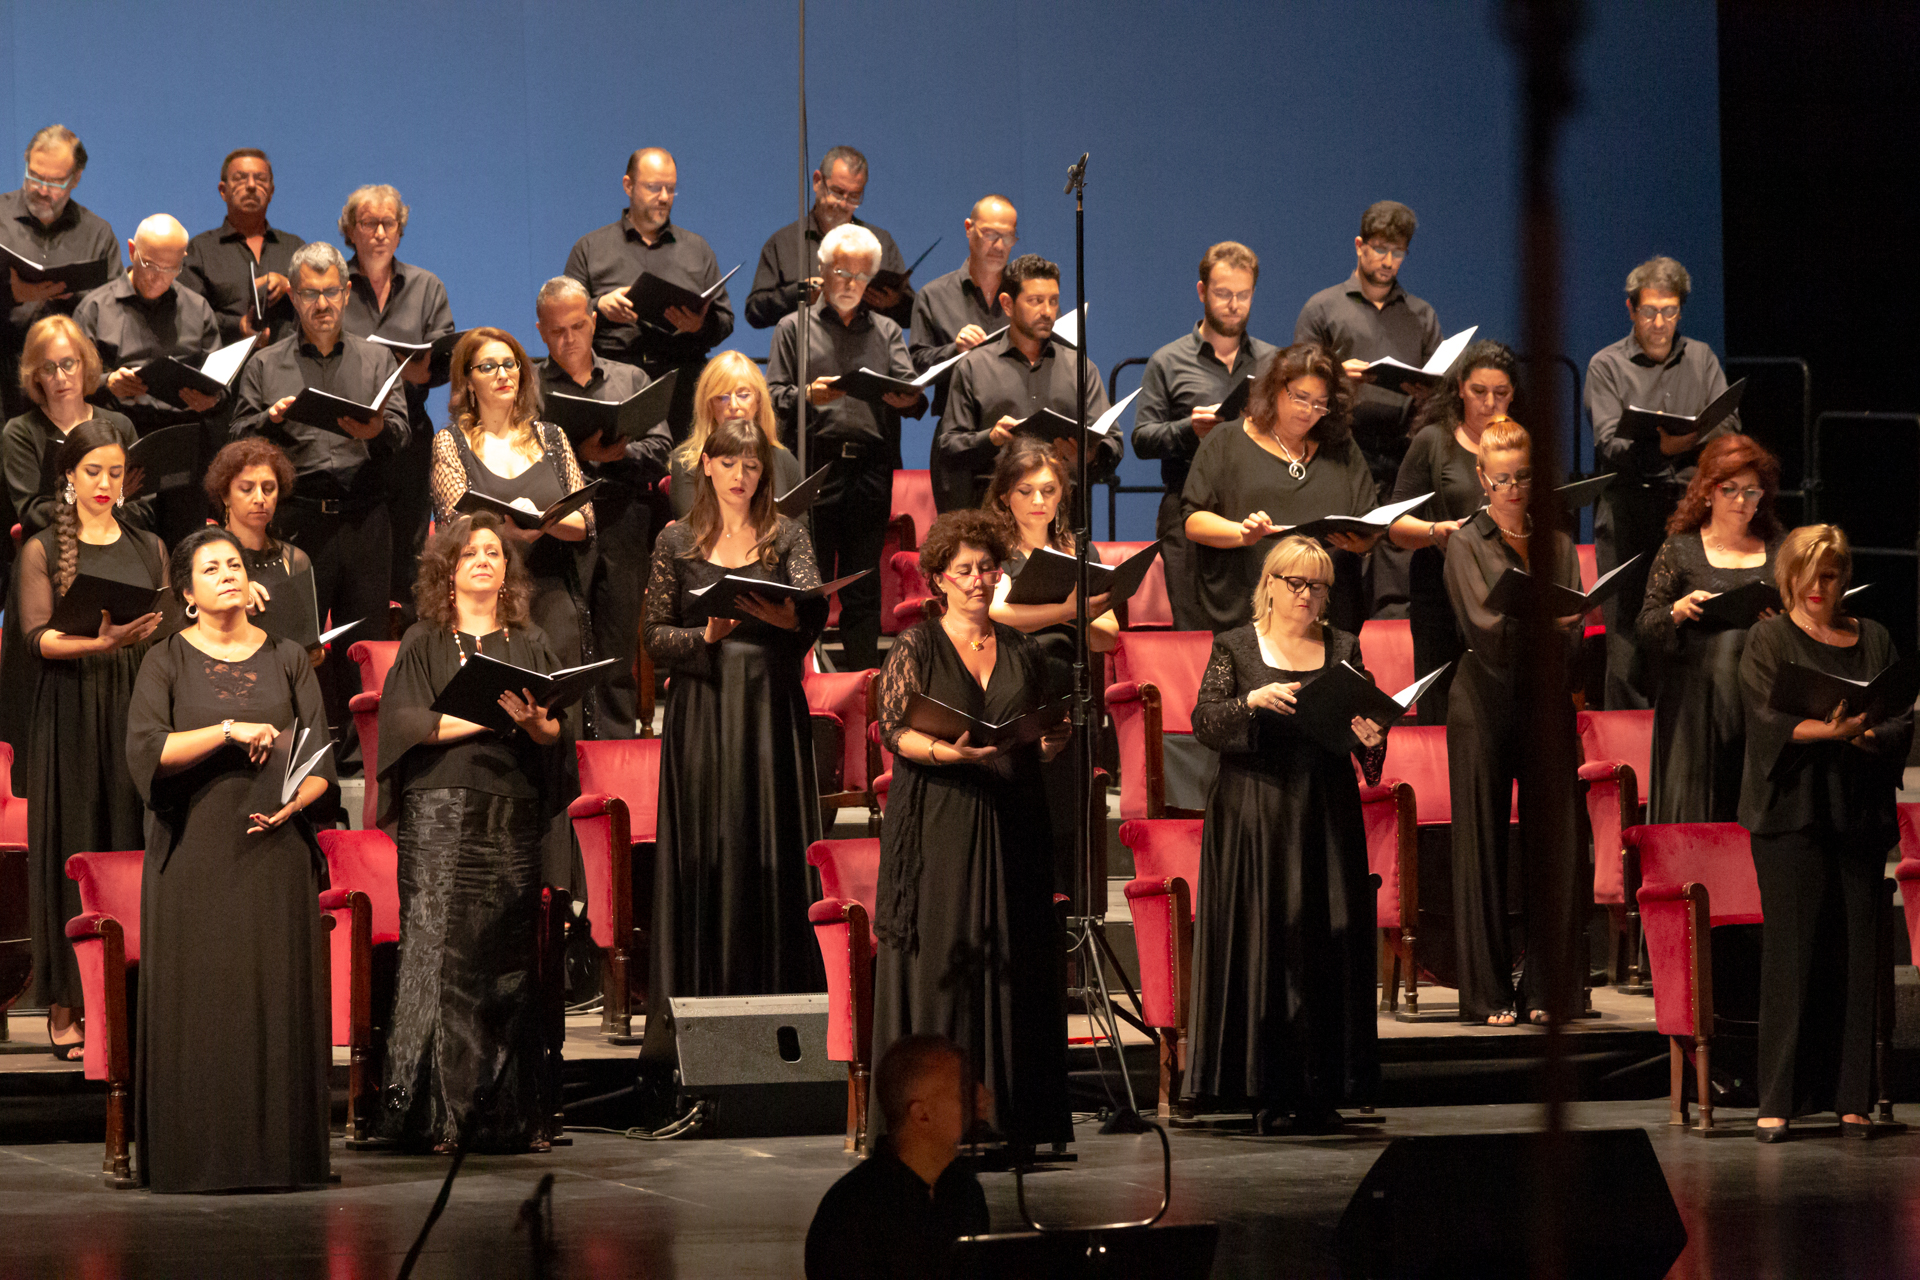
<point>226,731</point>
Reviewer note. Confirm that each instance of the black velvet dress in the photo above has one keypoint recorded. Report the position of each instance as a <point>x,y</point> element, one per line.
<point>970,947</point>
<point>1284,941</point>
<point>739,802</point>
<point>231,1057</point>
<point>474,821</point>
<point>1699,720</point>
<point>73,771</point>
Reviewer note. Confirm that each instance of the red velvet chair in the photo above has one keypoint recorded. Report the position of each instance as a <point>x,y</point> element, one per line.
<point>1156,683</point>
<point>1617,747</point>
<point>13,809</point>
<point>106,942</point>
<point>16,951</point>
<point>1162,898</point>
<point>363,901</point>
<point>1149,609</point>
<point>375,658</point>
<point>614,821</point>
<point>912,515</point>
<point>1589,557</point>
<point>844,703</point>
<point>843,926</point>
<point>1907,875</point>
<point>1695,876</point>
<point>1386,646</point>
<point>1390,813</point>
<point>908,591</point>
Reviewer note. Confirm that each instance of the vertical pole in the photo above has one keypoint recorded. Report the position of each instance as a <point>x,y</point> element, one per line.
<point>800,235</point>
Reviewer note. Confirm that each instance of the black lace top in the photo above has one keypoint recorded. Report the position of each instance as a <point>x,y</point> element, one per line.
<point>678,568</point>
<point>1224,721</point>
<point>1681,566</point>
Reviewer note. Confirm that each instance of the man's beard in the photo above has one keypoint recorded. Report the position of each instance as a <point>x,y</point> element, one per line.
<point>1226,328</point>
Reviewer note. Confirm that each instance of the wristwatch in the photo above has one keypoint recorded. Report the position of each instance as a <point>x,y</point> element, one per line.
<point>226,731</point>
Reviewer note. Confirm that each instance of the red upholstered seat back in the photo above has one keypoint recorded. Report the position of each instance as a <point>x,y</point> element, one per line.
<point>1380,814</point>
<point>1589,557</point>
<point>13,809</point>
<point>1417,756</point>
<point>1626,736</point>
<point>1171,661</point>
<point>366,861</point>
<point>1718,855</point>
<point>1149,606</point>
<point>1164,848</point>
<point>1908,873</point>
<point>913,496</point>
<point>844,694</point>
<point>909,588</point>
<point>630,769</point>
<point>110,886</point>
<point>376,659</point>
<point>1386,646</point>
<point>849,869</point>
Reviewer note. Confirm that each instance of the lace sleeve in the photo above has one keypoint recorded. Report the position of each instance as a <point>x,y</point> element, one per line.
<point>1222,719</point>
<point>797,559</point>
<point>449,476</point>
<point>679,649</point>
<point>901,676</point>
<point>570,468</point>
<point>1666,583</point>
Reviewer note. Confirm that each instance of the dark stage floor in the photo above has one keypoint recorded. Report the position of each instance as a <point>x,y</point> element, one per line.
<point>1814,1207</point>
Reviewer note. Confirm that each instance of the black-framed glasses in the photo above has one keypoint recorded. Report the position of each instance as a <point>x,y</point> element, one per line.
<point>1651,313</point>
<point>311,296</point>
<point>371,225</point>
<point>1522,479</point>
<point>65,365</point>
<point>1736,493</point>
<point>487,368</point>
<point>1302,586</point>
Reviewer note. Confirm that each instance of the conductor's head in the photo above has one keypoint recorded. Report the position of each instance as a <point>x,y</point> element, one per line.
<point>928,1098</point>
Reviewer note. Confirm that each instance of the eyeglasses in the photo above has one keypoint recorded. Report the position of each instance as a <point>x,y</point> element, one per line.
<point>311,296</point>
<point>1302,586</point>
<point>1657,313</point>
<point>248,180</point>
<point>1307,402</point>
<point>48,184</point>
<point>851,199</point>
<point>997,238</point>
<point>987,577</point>
<point>658,188</point>
<point>67,365</point>
<point>160,268</point>
<point>487,368</point>
<point>739,395</point>
<point>1222,297</point>
<point>1519,479</point>
<point>1391,252</point>
<point>371,225</point>
<point>1734,493</point>
<point>861,276</point>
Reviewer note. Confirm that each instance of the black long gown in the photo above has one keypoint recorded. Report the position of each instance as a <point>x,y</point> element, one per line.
<point>231,1059</point>
<point>1284,941</point>
<point>1699,720</point>
<point>739,803</point>
<point>474,821</point>
<point>970,947</point>
<point>73,772</point>
<point>1439,464</point>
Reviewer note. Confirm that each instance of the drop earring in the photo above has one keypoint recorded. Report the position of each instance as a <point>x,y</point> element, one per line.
<point>67,495</point>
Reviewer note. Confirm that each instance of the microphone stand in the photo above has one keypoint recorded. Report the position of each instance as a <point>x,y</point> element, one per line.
<point>1089,929</point>
<point>800,234</point>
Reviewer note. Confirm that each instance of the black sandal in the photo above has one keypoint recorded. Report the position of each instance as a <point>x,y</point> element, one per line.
<point>64,1052</point>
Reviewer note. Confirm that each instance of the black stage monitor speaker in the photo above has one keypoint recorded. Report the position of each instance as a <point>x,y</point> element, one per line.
<point>761,1064</point>
<point>1465,1205</point>
<point>1184,1252</point>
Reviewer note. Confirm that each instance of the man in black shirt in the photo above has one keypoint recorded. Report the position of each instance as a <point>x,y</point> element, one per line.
<point>623,511</point>
<point>956,311</point>
<point>337,512</point>
<point>44,223</point>
<point>644,238</point>
<point>224,264</point>
<point>896,1215</point>
<point>1185,382</point>
<point>859,439</point>
<point>999,384</point>
<point>145,316</point>
<point>839,187</point>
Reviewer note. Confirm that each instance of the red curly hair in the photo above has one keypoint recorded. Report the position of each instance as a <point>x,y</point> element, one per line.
<point>1721,461</point>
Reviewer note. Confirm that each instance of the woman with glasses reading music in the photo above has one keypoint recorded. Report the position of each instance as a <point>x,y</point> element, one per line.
<point>739,803</point>
<point>476,814</point>
<point>731,389</point>
<point>231,1056</point>
<point>1723,536</point>
<point>1284,948</point>
<point>969,944</point>
<point>1490,745</point>
<point>1291,460</point>
<point>497,446</point>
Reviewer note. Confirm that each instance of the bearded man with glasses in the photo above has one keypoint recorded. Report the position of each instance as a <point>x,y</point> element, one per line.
<point>839,188</point>
<point>1653,367</point>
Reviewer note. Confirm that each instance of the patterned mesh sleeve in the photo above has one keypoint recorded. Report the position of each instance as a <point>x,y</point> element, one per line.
<point>795,547</point>
<point>448,479</point>
<point>677,648</point>
<point>902,676</point>
<point>556,439</point>
<point>1666,583</point>
<point>1222,719</point>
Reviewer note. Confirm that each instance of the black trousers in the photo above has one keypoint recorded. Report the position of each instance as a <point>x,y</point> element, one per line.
<point>1816,970</point>
<point>1491,745</point>
<point>352,553</point>
<point>849,525</point>
<point>1629,520</point>
<point>1183,571</point>
<point>623,541</point>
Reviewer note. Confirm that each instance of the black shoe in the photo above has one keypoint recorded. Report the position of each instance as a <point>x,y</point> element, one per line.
<point>1770,1133</point>
<point>1862,1129</point>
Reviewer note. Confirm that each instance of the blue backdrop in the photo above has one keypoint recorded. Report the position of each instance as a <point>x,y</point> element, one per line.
<point>506,125</point>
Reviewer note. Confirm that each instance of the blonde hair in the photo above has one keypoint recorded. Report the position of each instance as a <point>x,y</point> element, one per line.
<point>1803,553</point>
<point>1502,435</point>
<point>43,332</point>
<point>526,401</point>
<point>728,371</point>
<point>1289,553</point>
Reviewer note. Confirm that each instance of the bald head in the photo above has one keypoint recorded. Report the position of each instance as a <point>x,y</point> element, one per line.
<point>158,249</point>
<point>651,182</point>
<point>992,229</point>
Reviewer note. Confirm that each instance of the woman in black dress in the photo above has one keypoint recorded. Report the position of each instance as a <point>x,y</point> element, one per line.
<point>496,445</point>
<point>739,803</point>
<point>1818,798</point>
<point>1284,948</point>
<point>1723,536</point>
<point>1491,743</point>
<point>969,945</point>
<point>1290,460</point>
<point>1442,460</point>
<point>474,814</point>
<point>731,389</point>
<point>244,484</point>
<point>231,1056</point>
<point>73,772</point>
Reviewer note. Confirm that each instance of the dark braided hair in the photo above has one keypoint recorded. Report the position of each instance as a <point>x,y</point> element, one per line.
<point>81,441</point>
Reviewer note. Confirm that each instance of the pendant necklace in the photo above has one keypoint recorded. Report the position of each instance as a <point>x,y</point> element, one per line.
<point>477,647</point>
<point>1296,467</point>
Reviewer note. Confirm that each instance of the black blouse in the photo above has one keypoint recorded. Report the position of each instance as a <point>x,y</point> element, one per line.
<point>1477,556</point>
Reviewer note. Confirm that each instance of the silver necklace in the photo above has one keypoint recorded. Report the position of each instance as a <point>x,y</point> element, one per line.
<point>1296,467</point>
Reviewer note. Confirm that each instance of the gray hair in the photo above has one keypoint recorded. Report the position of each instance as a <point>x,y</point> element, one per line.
<point>58,135</point>
<point>558,289</point>
<point>350,212</point>
<point>318,257</point>
<point>843,155</point>
<point>1661,274</point>
<point>850,240</point>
